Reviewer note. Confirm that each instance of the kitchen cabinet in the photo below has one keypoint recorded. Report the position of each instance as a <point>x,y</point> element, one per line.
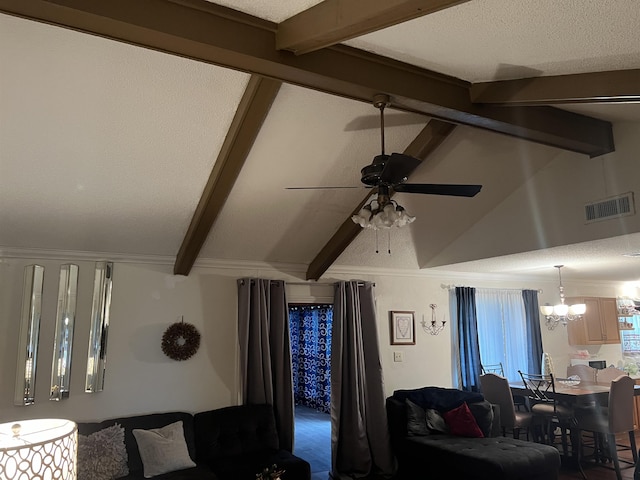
<point>598,325</point>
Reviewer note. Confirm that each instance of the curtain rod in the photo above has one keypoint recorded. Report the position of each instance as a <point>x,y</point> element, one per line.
<point>451,287</point>
<point>360,284</point>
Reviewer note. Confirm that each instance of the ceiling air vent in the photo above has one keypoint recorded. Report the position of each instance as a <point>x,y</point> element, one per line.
<point>612,207</point>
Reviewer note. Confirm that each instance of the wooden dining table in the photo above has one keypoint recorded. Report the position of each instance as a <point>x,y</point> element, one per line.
<point>584,392</point>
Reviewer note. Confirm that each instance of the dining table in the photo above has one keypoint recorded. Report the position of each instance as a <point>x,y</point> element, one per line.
<point>570,393</point>
<point>573,394</point>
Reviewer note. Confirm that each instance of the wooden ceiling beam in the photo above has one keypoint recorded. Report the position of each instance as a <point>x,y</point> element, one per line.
<point>203,31</point>
<point>431,136</point>
<point>619,86</point>
<point>250,114</point>
<point>334,21</point>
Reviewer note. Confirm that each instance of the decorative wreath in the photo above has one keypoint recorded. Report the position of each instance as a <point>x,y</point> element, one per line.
<point>180,341</point>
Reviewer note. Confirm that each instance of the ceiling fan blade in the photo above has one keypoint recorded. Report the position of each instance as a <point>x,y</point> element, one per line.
<point>315,188</point>
<point>439,189</point>
<point>397,168</point>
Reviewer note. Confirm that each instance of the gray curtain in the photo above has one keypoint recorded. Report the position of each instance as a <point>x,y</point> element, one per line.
<point>265,352</point>
<point>359,437</point>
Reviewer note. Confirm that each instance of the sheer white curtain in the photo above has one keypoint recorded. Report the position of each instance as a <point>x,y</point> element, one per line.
<point>502,331</point>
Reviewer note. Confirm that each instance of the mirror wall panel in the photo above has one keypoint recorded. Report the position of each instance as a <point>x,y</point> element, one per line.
<point>97,356</point>
<point>63,341</point>
<point>29,333</point>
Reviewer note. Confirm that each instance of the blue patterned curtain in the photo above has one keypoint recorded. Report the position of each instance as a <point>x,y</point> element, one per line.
<point>310,327</point>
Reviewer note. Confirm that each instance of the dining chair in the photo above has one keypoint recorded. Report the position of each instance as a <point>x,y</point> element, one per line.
<point>548,413</point>
<point>496,390</point>
<point>606,375</point>
<point>586,372</point>
<point>519,401</point>
<point>492,368</point>
<point>614,419</point>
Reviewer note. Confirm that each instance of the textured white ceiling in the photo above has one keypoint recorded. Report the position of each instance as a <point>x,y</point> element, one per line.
<point>105,147</point>
<point>499,39</point>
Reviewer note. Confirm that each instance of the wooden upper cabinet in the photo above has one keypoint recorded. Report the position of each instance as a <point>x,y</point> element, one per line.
<point>599,324</point>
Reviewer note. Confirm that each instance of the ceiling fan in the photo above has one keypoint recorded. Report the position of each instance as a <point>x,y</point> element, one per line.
<point>391,171</point>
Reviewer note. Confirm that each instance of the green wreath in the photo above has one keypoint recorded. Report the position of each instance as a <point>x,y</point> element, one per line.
<point>180,341</point>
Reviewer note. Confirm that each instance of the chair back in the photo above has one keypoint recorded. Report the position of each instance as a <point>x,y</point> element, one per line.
<point>621,404</point>
<point>540,388</point>
<point>492,368</point>
<point>495,389</point>
<point>586,372</point>
<point>607,375</point>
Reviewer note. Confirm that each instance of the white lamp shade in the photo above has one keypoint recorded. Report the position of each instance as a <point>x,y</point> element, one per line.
<point>42,449</point>
<point>561,309</point>
<point>546,309</point>
<point>578,309</point>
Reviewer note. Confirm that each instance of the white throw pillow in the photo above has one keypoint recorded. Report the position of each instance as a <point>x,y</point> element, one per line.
<point>163,449</point>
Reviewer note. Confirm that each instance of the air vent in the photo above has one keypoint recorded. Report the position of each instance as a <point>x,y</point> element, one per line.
<point>612,207</point>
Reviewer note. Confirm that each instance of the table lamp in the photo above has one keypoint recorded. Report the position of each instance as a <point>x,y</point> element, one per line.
<point>38,449</point>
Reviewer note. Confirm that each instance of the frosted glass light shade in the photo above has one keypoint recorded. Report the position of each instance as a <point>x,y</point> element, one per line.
<point>38,449</point>
<point>546,309</point>
<point>578,309</point>
<point>561,309</point>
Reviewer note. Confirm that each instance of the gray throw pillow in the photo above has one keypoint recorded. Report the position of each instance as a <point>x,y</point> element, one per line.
<point>483,413</point>
<point>102,455</point>
<point>416,420</point>
<point>435,421</point>
<point>163,449</point>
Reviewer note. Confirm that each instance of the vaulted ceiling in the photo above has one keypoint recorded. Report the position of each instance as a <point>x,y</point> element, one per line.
<point>174,128</point>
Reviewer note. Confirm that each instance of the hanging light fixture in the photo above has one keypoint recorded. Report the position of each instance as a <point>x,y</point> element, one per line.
<point>382,212</point>
<point>561,313</point>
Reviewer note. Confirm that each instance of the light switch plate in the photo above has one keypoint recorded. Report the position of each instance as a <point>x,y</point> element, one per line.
<point>397,357</point>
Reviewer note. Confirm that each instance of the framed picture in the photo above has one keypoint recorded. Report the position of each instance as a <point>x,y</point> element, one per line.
<point>403,329</point>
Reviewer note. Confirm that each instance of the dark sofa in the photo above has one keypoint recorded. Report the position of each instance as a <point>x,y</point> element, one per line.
<point>231,443</point>
<point>491,457</point>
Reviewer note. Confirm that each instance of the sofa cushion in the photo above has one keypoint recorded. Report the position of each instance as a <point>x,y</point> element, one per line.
<point>461,422</point>
<point>442,399</point>
<point>236,430</point>
<point>416,419</point>
<point>148,421</point>
<point>163,449</point>
<point>483,412</point>
<point>492,458</point>
<point>435,421</point>
<point>102,454</point>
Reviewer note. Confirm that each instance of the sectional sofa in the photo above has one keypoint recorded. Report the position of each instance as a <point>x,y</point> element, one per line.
<point>231,443</point>
<point>444,429</point>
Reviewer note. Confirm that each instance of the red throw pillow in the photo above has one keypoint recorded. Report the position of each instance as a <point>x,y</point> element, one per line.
<point>461,422</point>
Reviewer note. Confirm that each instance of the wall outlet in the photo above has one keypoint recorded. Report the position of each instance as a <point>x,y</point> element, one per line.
<point>397,357</point>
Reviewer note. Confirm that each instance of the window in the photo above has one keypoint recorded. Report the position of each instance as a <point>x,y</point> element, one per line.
<point>502,330</point>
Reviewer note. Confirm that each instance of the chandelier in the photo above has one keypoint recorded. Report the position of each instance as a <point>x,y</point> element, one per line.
<point>382,212</point>
<point>433,327</point>
<point>561,313</point>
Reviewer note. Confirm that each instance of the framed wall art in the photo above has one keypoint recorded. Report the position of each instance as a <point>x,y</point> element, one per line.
<point>403,330</point>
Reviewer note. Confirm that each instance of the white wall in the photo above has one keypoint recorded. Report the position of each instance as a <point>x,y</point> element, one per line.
<point>148,298</point>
